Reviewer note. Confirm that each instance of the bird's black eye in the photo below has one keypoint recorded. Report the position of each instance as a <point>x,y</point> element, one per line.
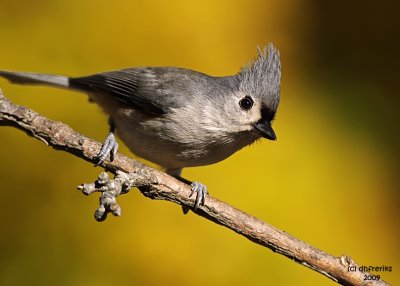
<point>246,103</point>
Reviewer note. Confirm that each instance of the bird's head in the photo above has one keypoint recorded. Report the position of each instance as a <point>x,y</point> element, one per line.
<point>258,93</point>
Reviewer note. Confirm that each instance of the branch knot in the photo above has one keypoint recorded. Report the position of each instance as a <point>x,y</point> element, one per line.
<point>110,190</point>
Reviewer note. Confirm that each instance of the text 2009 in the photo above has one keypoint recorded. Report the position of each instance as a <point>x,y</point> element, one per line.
<point>372,277</point>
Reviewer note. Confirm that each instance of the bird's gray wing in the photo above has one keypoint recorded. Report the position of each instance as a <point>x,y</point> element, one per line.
<point>136,87</point>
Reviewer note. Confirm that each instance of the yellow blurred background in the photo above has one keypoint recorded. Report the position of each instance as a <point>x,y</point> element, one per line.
<point>331,179</point>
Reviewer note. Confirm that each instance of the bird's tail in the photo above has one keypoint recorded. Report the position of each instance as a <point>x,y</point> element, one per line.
<point>36,78</point>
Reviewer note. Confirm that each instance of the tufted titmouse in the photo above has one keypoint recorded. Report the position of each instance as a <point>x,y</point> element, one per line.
<point>177,117</point>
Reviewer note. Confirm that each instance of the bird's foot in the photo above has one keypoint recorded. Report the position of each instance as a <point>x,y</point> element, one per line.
<point>109,148</point>
<point>201,191</point>
<point>197,187</point>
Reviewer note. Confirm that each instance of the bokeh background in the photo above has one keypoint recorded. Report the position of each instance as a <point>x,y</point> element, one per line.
<point>331,179</point>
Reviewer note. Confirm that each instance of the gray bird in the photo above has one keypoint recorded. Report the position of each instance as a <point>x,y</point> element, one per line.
<point>178,117</point>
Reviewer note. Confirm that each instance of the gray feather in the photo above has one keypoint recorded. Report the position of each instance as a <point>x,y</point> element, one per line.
<point>35,78</point>
<point>263,76</point>
<point>155,90</point>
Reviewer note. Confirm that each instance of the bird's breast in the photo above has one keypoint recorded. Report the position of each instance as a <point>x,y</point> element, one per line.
<point>176,141</point>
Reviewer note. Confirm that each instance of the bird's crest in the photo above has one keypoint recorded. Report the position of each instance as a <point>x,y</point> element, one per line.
<point>262,77</point>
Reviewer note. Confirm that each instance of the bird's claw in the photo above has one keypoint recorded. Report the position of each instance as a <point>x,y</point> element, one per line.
<point>109,148</point>
<point>202,193</point>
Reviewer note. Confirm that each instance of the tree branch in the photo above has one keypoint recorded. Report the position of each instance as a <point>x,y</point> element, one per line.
<point>158,185</point>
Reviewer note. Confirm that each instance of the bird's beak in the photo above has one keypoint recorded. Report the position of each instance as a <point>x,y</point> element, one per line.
<point>265,129</point>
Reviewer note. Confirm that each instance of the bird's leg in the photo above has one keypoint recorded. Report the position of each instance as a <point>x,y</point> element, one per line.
<point>110,145</point>
<point>197,187</point>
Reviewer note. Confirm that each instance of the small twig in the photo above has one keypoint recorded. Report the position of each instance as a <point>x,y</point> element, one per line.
<point>158,185</point>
